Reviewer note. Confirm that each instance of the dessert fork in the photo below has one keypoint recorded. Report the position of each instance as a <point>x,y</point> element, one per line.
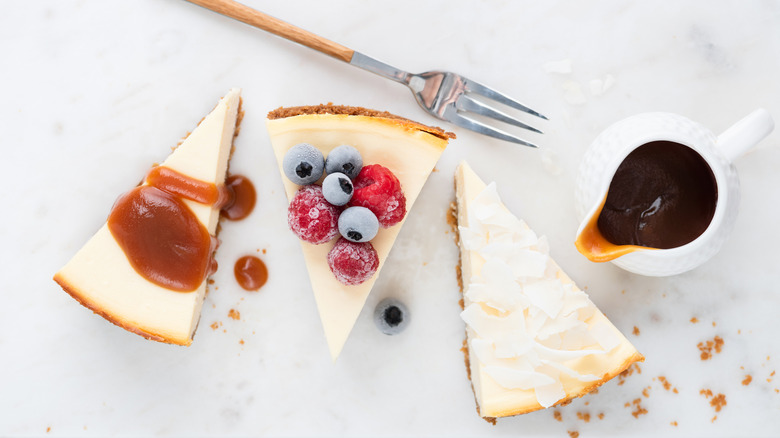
<point>445,95</point>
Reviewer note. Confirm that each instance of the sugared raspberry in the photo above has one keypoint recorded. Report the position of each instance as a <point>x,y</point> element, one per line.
<point>377,189</point>
<point>353,263</point>
<point>311,217</point>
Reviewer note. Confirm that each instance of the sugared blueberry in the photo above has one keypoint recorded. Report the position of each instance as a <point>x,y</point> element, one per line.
<point>303,164</point>
<point>337,188</point>
<point>344,159</point>
<point>391,316</point>
<point>358,224</point>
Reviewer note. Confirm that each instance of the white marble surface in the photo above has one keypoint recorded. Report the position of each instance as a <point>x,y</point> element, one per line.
<point>95,91</point>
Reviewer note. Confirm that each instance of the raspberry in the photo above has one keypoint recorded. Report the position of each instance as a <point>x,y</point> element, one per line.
<point>311,217</point>
<point>353,263</point>
<point>377,189</point>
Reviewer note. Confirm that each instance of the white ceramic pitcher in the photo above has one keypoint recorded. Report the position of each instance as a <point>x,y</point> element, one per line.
<point>613,145</point>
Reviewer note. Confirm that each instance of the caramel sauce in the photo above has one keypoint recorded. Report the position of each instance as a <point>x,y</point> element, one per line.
<point>173,182</point>
<point>241,198</point>
<point>162,238</point>
<point>251,273</point>
<point>662,196</point>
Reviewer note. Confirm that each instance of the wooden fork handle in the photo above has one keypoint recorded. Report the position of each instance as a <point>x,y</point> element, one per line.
<point>233,9</point>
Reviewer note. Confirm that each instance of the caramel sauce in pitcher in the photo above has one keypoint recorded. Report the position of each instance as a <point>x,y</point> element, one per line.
<point>663,195</point>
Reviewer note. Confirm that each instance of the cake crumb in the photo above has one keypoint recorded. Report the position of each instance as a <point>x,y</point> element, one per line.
<point>215,325</point>
<point>587,403</point>
<point>265,251</point>
<point>573,434</point>
<point>706,393</point>
<point>673,423</point>
<point>557,415</point>
<point>241,341</point>
<point>584,416</point>
<point>666,384</point>
<point>714,418</point>
<point>234,314</point>
<point>694,320</point>
<point>211,281</point>
<point>638,409</point>
<point>746,381</point>
<point>718,402</point>
<point>636,331</point>
<point>48,429</point>
<point>601,416</point>
<point>634,368</point>
<point>706,347</point>
<point>646,392</point>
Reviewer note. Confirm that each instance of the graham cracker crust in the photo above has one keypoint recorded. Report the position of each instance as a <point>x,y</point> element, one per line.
<point>330,108</point>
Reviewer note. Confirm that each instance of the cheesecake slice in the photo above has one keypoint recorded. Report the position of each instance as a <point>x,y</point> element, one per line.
<point>119,274</point>
<point>408,149</point>
<point>533,338</point>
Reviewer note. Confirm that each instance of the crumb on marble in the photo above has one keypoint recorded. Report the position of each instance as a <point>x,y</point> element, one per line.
<point>646,392</point>
<point>557,415</point>
<point>713,419</point>
<point>584,416</point>
<point>215,325</point>
<point>694,320</point>
<point>635,331</point>
<point>746,381</point>
<point>234,314</point>
<point>601,415</point>
<point>638,409</point>
<point>241,342</point>
<point>707,347</point>
<point>573,434</point>
<point>673,423</point>
<point>666,384</point>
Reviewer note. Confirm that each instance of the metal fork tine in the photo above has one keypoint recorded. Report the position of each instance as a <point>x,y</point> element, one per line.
<point>490,93</point>
<point>464,122</point>
<point>466,103</point>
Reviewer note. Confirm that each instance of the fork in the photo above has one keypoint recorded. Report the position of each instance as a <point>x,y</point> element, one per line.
<point>444,95</point>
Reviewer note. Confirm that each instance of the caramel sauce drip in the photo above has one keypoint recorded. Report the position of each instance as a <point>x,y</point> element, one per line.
<point>162,238</point>
<point>241,197</point>
<point>173,182</point>
<point>662,196</point>
<point>251,273</point>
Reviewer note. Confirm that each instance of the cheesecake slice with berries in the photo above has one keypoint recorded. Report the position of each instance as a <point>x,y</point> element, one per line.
<point>379,162</point>
<point>533,338</point>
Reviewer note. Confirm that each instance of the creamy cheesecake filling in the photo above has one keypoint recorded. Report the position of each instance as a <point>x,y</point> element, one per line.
<point>529,325</point>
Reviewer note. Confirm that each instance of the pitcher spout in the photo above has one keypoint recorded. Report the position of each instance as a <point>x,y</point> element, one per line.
<point>592,244</point>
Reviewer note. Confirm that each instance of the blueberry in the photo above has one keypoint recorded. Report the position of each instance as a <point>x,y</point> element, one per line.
<point>303,164</point>
<point>358,224</point>
<point>344,159</point>
<point>337,188</point>
<point>391,316</point>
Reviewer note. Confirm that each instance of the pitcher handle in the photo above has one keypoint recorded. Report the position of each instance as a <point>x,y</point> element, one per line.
<point>745,134</point>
